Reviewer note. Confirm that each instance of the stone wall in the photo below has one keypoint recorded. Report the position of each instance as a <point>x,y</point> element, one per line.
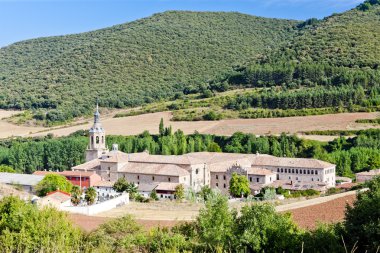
<point>98,208</point>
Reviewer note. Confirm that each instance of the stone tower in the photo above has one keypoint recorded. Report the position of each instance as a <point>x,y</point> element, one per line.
<point>97,145</point>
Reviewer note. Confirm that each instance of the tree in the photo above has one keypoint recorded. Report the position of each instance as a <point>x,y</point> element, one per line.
<point>179,193</point>
<point>260,229</point>
<point>153,195</point>
<point>362,221</point>
<point>205,192</point>
<point>215,223</point>
<point>161,128</point>
<point>239,185</point>
<point>76,195</point>
<point>121,185</point>
<point>90,195</point>
<point>6,168</point>
<point>53,182</point>
<point>26,228</point>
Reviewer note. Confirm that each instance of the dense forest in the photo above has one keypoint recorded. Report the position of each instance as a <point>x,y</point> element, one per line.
<point>351,155</point>
<point>173,54</point>
<point>217,228</point>
<point>133,63</point>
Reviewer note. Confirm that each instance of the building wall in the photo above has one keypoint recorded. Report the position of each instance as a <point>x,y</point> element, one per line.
<point>305,174</point>
<point>79,181</point>
<point>199,176</point>
<point>221,181</point>
<point>154,179</point>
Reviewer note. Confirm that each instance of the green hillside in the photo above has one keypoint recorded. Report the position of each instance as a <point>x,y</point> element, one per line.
<point>349,39</point>
<point>133,63</point>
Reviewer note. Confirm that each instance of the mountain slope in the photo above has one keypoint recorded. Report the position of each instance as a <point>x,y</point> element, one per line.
<point>350,39</point>
<point>132,63</point>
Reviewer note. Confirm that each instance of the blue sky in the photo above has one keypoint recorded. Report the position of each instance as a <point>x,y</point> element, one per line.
<point>25,19</point>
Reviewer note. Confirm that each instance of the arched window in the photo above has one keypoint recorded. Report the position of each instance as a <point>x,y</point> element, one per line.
<point>92,140</point>
<point>97,139</point>
<point>102,139</point>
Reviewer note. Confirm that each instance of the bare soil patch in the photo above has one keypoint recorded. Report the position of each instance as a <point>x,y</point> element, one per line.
<point>137,124</point>
<point>90,223</point>
<point>328,212</point>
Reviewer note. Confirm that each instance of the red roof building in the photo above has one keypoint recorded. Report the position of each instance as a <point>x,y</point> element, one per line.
<point>80,178</point>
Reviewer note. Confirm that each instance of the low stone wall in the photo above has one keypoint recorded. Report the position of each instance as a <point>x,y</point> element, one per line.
<point>98,208</point>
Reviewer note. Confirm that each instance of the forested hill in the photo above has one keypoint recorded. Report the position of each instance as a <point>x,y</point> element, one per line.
<point>132,63</point>
<point>350,39</point>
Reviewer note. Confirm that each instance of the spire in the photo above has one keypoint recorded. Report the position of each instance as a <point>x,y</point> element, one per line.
<point>97,114</point>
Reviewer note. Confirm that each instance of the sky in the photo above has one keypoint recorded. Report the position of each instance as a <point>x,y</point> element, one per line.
<point>26,19</point>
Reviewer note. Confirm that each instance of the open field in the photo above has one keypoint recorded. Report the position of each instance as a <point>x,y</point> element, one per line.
<point>8,129</point>
<point>306,213</point>
<point>328,212</point>
<point>136,124</point>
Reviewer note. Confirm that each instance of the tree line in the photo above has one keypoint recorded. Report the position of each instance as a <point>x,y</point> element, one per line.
<point>47,153</point>
<point>300,99</point>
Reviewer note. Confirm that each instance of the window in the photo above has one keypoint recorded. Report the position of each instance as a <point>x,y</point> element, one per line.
<point>312,179</point>
<point>224,185</point>
<point>196,171</point>
<point>224,177</point>
<point>169,179</point>
<point>217,185</point>
<point>286,170</point>
<point>296,178</point>
<point>217,177</point>
<point>304,171</point>
<point>308,172</point>
<point>109,168</point>
<point>138,177</point>
<point>296,171</point>
<point>292,170</point>
<point>278,170</point>
<point>153,178</point>
<point>312,172</point>
<point>97,139</point>
<point>257,180</point>
<point>300,171</point>
<point>316,172</point>
<point>282,170</point>
<point>250,179</point>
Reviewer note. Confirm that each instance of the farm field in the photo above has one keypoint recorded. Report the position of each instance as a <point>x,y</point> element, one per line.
<point>325,210</point>
<point>137,124</point>
<point>8,130</point>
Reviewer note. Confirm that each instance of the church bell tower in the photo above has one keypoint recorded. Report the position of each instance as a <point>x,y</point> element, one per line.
<point>97,145</point>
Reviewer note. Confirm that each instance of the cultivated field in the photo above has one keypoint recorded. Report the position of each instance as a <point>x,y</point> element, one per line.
<point>307,214</point>
<point>8,129</point>
<point>136,124</point>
